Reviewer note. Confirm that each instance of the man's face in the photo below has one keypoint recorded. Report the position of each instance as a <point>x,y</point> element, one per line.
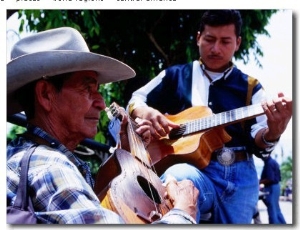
<point>77,107</point>
<point>217,46</point>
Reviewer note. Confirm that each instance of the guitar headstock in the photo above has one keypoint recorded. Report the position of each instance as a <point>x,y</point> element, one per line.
<point>115,111</point>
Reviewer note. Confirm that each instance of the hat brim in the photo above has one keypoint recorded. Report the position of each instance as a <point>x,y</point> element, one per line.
<point>31,67</point>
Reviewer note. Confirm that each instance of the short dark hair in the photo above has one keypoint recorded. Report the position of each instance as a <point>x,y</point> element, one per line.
<point>220,18</point>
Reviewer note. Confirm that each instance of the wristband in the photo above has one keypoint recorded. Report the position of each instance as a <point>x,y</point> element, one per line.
<point>270,144</point>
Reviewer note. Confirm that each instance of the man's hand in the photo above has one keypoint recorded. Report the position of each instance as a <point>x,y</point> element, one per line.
<point>143,130</point>
<point>279,113</point>
<point>182,194</point>
<point>160,124</point>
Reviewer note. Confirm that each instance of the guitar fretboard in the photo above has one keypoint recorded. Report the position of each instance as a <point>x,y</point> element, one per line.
<point>223,118</point>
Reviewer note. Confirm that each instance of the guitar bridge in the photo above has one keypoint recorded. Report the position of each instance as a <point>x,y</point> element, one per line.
<point>177,133</point>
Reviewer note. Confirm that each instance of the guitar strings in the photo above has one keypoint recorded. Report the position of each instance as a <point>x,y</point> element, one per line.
<point>138,149</point>
<point>222,118</point>
<point>146,156</point>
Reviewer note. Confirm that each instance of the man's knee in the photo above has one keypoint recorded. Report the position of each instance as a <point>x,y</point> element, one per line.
<point>182,172</point>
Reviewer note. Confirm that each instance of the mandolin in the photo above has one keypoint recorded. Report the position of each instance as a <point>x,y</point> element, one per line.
<point>126,184</point>
<point>201,132</point>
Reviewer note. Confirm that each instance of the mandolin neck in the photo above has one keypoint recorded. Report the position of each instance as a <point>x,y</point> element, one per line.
<point>137,147</point>
<point>136,144</point>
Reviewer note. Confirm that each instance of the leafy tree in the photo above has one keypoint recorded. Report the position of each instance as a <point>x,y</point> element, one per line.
<point>147,40</point>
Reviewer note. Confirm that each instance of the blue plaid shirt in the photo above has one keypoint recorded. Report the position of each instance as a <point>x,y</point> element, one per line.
<point>61,185</point>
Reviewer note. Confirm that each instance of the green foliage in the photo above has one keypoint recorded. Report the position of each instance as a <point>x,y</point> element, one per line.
<point>14,131</point>
<point>286,169</point>
<point>146,40</point>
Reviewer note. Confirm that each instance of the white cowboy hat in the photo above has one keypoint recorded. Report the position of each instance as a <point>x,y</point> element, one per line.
<point>54,52</point>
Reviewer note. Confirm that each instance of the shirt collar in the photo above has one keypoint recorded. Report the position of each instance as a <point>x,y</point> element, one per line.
<point>226,73</point>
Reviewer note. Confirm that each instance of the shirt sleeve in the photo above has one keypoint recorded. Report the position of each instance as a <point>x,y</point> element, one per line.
<point>139,97</point>
<point>176,216</point>
<point>261,121</point>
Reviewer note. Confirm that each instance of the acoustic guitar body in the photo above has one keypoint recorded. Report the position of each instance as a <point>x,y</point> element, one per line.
<point>129,188</point>
<point>195,148</point>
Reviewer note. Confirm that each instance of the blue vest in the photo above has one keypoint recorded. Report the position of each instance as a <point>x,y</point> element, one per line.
<point>173,95</point>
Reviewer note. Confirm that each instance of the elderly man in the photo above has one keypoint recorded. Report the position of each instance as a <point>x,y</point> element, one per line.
<point>54,79</point>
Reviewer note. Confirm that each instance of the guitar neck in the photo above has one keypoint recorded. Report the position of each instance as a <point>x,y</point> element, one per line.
<point>223,118</point>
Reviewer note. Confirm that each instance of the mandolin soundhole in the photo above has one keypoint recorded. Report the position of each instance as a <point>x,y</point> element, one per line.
<point>149,189</point>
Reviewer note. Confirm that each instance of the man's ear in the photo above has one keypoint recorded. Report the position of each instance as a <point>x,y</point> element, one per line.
<point>198,37</point>
<point>238,43</point>
<point>44,92</point>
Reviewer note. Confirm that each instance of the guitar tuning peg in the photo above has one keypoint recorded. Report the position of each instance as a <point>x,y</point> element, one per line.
<point>109,114</point>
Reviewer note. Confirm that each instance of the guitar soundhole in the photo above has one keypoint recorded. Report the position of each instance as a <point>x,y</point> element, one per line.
<point>177,133</point>
<point>149,189</point>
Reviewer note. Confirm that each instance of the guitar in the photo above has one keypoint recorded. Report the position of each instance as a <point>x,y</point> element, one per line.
<point>201,132</point>
<point>127,185</point>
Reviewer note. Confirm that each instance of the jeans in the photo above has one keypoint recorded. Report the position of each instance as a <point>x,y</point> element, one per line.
<point>272,203</point>
<point>229,193</point>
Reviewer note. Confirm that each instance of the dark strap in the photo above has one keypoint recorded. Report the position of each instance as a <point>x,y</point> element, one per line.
<point>22,197</point>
